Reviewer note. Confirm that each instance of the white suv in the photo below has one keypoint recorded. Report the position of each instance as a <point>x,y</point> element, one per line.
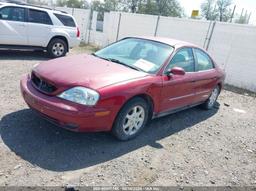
<point>25,26</point>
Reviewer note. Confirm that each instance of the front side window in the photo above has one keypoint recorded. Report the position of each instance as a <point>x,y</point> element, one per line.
<point>203,60</point>
<point>184,59</point>
<point>12,14</point>
<point>41,17</point>
<point>146,55</point>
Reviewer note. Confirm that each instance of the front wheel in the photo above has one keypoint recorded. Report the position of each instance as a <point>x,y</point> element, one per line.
<point>210,102</point>
<point>131,119</point>
<point>57,48</point>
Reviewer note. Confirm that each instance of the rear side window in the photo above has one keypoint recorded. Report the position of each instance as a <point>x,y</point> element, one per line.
<point>12,14</point>
<point>204,62</point>
<point>66,20</point>
<point>41,17</point>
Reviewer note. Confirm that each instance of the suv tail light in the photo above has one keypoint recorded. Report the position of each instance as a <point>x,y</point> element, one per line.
<point>78,32</point>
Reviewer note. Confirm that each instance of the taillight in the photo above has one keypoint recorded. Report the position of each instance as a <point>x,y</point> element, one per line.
<point>78,32</point>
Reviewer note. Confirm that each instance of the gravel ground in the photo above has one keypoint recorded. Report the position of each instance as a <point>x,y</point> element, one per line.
<point>192,147</point>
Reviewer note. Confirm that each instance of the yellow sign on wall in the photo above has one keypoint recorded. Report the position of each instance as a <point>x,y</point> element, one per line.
<point>195,13</point>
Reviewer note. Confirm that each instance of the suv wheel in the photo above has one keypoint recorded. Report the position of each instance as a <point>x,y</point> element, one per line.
<point>131,119</point>
<point>57,48</point>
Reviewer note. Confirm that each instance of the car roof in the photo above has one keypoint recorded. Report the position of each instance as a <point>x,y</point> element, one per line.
<point>24,5</point>
<point>172,42</point>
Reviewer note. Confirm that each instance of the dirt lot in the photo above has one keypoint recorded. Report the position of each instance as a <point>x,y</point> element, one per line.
<point>193,147</point>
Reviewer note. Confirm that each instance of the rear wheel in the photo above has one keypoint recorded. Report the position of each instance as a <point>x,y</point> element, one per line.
<point>210,102</point>
<point>57,48</point>
<point>131,119</point>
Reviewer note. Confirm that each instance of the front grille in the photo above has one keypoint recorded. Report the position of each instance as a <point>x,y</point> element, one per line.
<point>42,85</point>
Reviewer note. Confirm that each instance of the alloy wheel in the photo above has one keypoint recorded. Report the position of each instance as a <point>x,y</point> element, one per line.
<point>213,96</point>
<point>58,49</point>
<point>134,120</point>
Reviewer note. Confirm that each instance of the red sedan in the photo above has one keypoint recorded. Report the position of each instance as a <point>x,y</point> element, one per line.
<point>121,87</point>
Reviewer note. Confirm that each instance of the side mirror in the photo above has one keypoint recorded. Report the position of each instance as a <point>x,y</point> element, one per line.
<point>176,71</point>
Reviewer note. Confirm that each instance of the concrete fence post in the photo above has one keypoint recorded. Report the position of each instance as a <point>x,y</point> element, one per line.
<point>157,23</point>
<point>210,37</point>
<point>207,34</point>
<point>118,27</point>
<point>89,26</point>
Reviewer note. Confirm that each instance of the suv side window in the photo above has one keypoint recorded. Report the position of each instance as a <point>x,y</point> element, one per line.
<point>204,62</point>
<point>13,14</point>
<point>41,17</point>
<point>184,59</point>
<point>66,20</point>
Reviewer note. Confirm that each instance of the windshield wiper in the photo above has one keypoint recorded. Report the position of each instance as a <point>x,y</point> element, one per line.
<point>108,59</point>
<point>122,63</point>
<point>118,62</point>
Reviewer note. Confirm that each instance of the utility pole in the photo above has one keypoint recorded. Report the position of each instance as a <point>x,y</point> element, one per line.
<point>241,14</point>
<point>245,17</point>
<point>249,17</point>
<point>232,16</point>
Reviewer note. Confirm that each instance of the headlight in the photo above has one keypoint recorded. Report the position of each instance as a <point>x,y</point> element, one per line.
<point>80,95</point>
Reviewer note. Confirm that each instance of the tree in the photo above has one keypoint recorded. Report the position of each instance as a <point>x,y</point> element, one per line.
<point>153,7</point>
<point>37,2</point>
<point>243,19</point>
<point>169,8</point>
<point>209,10</point>
<point>216,10</point>
<point>161,7</point>
<point>73,3</point>
<point>129,5</point>
<point>105,6</point>
<point>224,9</point>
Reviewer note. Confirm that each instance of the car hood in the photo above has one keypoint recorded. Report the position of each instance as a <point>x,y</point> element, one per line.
<point>84,70</point>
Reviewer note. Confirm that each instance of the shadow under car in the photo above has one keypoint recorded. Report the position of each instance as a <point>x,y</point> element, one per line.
<point>50,147</point>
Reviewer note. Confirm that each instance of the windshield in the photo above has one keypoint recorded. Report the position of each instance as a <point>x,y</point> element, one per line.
<point>141,54</point>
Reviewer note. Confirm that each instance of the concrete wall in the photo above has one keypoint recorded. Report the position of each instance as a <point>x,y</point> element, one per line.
<point>232,45</point>
<point>193,31</point>
<point>137,25</point>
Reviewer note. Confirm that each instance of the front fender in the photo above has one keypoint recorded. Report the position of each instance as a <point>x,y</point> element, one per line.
<point>114,97</point>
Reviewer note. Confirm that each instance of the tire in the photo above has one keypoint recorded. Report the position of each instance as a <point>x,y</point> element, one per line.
<point>125,129</point>
<point>210,102</point>
<point>57,48</point>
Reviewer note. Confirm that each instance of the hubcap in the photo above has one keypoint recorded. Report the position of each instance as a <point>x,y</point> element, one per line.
<point>213,96</point>
<point>58,49</point>
<point>134,120</point>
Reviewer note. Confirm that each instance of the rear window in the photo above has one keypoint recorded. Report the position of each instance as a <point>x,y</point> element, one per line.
<point>66,20</point>
<point>41,17</point>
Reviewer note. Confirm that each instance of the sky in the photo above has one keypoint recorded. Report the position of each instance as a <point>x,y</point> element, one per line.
<point>249,5</point>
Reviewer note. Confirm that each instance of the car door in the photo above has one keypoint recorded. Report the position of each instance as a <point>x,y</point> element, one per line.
<point>178,90</point>
<point>39,27</point>
<point>206,78</point>
<point>13,26</point>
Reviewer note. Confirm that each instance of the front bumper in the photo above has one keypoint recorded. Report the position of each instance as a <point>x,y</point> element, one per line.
<point>66,114</point>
